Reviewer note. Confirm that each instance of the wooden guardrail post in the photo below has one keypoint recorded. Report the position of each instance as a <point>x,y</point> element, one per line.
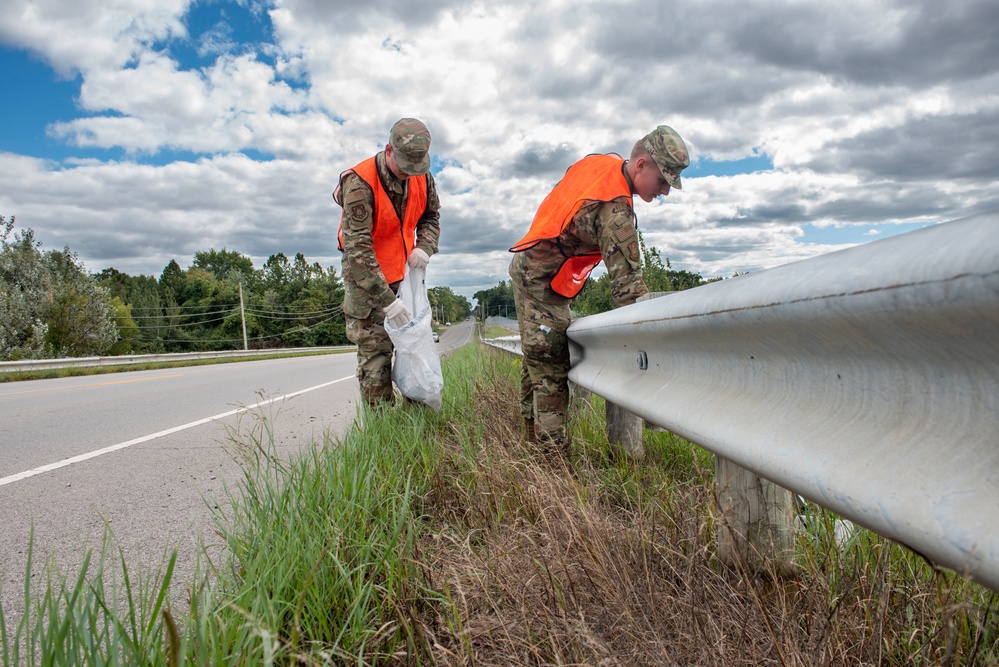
<point>756,520</point>
<point>756,524</point>
<point>624,429</point>
<point>624,432</point>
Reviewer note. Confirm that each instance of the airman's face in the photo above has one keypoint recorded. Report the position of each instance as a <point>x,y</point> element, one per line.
<point>649,181</point>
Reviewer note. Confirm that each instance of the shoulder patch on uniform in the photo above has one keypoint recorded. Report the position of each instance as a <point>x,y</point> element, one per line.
<point>633,251</point>
<point>359,211</point>
<point>625,234</point>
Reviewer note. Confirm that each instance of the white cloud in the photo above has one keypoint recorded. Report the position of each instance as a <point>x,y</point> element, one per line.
<point>89,35</point>
<point>872,116</point>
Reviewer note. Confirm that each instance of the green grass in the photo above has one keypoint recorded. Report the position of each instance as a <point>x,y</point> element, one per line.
<point>320,565</point>
<point>497,332</point>
<point>441,538</point>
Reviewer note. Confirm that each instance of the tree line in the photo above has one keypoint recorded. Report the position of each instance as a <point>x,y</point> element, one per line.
<point>51,306</point>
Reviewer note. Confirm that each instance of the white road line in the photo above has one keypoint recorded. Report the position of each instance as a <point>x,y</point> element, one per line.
<point>152,436</point>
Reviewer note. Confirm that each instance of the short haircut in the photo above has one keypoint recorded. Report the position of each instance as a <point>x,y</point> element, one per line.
<point>640,150</point>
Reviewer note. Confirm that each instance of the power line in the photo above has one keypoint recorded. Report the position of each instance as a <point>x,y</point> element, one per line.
<point>225,305</point>
<point>262,315</point>
<point>293,316</point>
<point>179,326</point>
<point>225,340</point>
<point>165,316</point>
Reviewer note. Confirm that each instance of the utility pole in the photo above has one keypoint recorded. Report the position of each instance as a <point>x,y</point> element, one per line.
<point>242,315</point>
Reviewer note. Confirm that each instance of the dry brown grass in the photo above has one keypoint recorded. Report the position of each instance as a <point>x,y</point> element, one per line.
<point>547,562</point>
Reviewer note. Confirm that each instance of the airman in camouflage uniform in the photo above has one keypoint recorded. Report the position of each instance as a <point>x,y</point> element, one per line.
<point>605,227</point>
<point>368,296</point>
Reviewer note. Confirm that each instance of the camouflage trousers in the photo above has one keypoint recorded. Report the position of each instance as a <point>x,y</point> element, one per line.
<point>374,356</point>
<point>544,372</point>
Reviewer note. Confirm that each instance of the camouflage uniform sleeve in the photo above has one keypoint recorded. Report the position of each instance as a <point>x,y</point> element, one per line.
<point>618,238</point>
<point>367,287</point>
<point>428,229</point>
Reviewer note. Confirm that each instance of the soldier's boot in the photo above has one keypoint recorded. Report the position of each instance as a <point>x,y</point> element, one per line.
<point>553,443</point>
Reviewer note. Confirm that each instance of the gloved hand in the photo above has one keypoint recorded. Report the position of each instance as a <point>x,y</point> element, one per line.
<point>418,259</point>
<point>398,313</point>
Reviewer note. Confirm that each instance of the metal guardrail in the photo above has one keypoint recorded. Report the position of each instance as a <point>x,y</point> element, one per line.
<point>866,380</point>
<point>508,343</point>
<point>128,359</point>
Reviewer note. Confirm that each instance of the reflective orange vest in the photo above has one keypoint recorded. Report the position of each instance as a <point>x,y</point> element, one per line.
<point>392,239</point>
<point>594,178</point>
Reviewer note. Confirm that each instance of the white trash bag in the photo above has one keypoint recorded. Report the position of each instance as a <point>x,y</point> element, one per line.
<point>416,368</point>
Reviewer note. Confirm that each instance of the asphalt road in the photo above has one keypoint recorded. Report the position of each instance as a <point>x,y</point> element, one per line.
<point>455,336</point>
<point>147,454</point>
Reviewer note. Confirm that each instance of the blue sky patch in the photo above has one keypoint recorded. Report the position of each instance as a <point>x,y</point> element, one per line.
<point>437,164</point>
<point>747,165</point>
<point>38,98</point>
<point>217,28</point>
<point>34,98</point>
<point>855,233</point>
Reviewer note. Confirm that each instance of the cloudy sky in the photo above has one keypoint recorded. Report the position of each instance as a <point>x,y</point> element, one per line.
<point>140,131</point>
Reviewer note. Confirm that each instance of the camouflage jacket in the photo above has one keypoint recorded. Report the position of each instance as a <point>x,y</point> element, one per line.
<point>608,227</point>
<point>365,287</point>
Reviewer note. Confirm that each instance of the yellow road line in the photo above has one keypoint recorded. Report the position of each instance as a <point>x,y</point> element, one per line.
<point>88,386</point>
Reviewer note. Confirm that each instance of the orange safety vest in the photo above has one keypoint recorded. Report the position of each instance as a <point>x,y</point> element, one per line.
<point>392,239</point>
<point>594,178</point>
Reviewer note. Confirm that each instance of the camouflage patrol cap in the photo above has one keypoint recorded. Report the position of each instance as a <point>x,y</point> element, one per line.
<point>410,141</point>
<point>670,153</point>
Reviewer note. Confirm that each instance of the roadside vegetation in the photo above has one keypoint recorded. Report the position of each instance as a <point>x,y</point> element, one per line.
<point>51,306</point>
<point>426,538</point>
<point>496,332</point>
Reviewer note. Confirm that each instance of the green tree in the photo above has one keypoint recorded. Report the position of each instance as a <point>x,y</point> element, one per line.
<point>171,283</point>
<point>285,303</point>
<point>224,263</point>
<point>313,296</point>
<point>50,305</point>
<point>126,327</point>
<point>205,304</point>
<point>24,285</point>
<point>148,309</point>
<point>660,276</point>
<point>115,282</point>
<point>275,272</point>
<point>138,294</point>
<point>496,301</point>
<point>80,314</point>
<point>448,306</point>
<point>595,297</point>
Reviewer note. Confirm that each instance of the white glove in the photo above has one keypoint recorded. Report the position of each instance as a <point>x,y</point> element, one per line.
<point>398,313</point>
<point>418,259</point>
